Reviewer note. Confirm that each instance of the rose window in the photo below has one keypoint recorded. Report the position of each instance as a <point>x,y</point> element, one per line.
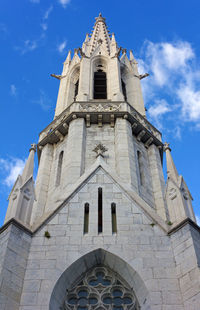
<point>100,289</point>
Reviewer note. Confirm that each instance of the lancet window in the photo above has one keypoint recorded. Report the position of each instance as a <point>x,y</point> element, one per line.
<point>59,168</point>
<point>114,218</point>
<point>141,167</point>
<point>86,218</point>
<point>100,289</point>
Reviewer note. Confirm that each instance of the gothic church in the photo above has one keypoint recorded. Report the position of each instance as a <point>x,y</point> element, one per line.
<point>100,228</point>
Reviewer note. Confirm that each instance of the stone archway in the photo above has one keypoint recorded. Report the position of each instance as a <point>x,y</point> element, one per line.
<point>95,258</point>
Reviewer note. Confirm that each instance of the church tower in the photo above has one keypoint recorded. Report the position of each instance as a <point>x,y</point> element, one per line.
<point>100,228</point>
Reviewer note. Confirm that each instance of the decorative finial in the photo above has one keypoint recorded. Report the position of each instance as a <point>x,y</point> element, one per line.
<point>166,147</point>
<point>33,147</point>
<point>100,149</point>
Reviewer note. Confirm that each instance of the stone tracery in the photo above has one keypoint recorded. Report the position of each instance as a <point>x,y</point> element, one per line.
<point>99,289</point>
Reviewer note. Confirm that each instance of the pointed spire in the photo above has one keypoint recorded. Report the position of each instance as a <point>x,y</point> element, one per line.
<point>28,169</point>
<point>100,38</point>
<point>171,168</point>
<point>113,40</point>
<point>86,38</point>
<point>68,59</point>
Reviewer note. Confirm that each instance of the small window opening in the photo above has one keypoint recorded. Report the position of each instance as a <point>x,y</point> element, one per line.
<point>86,219</point>
<point>114,218</point>
<point>100,88</point>
<point>100,211</point>
<point>76,90</point>
<point>141,167</point>
<point>59,168</point>
<point>124,90</point>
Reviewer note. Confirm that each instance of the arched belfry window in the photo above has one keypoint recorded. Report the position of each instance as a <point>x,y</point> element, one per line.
<point>100,84</point>
<point>100,288</point>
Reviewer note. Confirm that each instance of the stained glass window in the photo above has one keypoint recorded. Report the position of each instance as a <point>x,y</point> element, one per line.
<point>100,289</point>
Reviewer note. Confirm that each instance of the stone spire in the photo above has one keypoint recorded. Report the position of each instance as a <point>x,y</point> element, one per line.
<point>28,169</point>
<point>23,194</point>
<point>171,168</point>
<point>100,38</point>
<point>178,196</point>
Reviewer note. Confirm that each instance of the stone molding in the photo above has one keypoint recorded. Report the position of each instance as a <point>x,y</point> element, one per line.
<point>185,222</point>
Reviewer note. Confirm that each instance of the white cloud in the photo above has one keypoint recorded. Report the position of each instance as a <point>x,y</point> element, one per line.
<point>28,46</point>
<point>13,167</point>
<point>13,90</point>
<point>198,219</point>
<point>44,101</point>
<point>62,46</point>
<point>64,2</point>
<point>166,59</point>
<point>44,24</point>
<point>48,11</point>
<point>160,108</point>
<point>190,102</point>
<point>174,72</point>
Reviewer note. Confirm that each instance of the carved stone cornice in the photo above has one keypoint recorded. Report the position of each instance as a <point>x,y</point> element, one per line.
<point>100,112</point>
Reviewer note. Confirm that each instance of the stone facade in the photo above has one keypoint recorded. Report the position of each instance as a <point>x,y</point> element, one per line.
<point>100,198</point>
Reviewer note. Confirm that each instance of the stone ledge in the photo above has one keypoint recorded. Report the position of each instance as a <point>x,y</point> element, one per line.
<point>17,224</point>
<point>182,224</point>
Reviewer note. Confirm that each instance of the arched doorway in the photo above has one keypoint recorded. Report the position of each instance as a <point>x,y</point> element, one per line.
<point>99,280</point>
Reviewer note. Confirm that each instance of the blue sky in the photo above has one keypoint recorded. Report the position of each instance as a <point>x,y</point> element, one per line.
<point>35,36</point>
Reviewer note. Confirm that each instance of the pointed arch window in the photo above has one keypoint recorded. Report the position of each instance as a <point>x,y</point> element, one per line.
<point>100,85</point>
<point>76,89</point>
<point>59,168</point>
<point>124,90</point>
<point>100,288</point>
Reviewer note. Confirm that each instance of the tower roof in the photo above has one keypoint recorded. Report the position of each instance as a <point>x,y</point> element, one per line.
<point>99,42</point>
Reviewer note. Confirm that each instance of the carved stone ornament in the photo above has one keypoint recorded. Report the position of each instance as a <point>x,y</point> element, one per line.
<point>92,107</point>
<point>100,149</point>
<point>172,193</point>
<point>185,193</point>
<point>100,289</point>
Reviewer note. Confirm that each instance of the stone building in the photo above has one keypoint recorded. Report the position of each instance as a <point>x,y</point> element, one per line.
<point>100,229</point>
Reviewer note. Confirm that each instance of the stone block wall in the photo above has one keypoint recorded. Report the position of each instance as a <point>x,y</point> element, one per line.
<point>142,246</point>
<point>186,247</point>
<point>14,250</point>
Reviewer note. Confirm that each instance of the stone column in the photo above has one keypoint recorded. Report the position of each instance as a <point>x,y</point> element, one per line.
<point>115,80</point>
<point>158,182</point>
<point>74,160</point>
<point>124,153</point>
<point>42,182</point>
<point>84,87</point>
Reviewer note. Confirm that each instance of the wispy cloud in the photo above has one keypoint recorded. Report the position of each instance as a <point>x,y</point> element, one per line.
<point>11,168</point>
<point>13,90</point>
<point>174,73</point>
<point>44,23</point>
<point>43,101</point>
<point>28,46</point>
<point>61,46</point>
<point>64,3</point>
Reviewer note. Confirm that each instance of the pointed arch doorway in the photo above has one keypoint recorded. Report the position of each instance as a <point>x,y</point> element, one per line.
<point>99,280</point>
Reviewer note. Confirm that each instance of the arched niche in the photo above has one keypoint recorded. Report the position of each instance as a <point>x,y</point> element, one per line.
<point>99,258</point>
<point>73,84</point>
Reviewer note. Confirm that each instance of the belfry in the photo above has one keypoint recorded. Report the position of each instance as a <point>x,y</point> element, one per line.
<point>100,228</point>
